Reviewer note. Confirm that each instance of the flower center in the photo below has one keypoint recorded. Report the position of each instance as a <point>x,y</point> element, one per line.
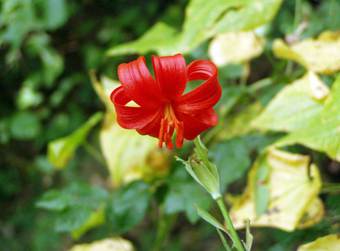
<point>169,125</point>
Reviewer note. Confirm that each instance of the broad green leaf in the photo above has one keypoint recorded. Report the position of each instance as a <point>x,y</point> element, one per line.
<point>184,194</point>
<point>78,207</point>
<point>321,55</point>
<point>232,159</point>
<point>60,151</point>
<point>322,132</point>
<point>28,96</point>
<point>160,38</point>
<point>250,15</point>
<point>200,24</point>
<point>127,206</point>
<point>93,220</point>
<point>235,47</point>
<point>112,244</point>
<point>205,215</point>
<point>291,192</point>
<point>294,106</point>
<point>55,13</point>
<point>24,126</point>
<point>325,243</point>
<point>72,196</point>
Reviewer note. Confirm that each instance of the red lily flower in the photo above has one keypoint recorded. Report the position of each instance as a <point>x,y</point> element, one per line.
<point>163,107</point>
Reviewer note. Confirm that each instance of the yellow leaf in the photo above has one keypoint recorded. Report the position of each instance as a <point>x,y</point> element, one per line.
<point>291,192</point>
<point>130,156</point>
<point>313,215</point>
<point>321,55</point>
<point>235,47</point>
<point>111,244</point>
<point>326,243</point>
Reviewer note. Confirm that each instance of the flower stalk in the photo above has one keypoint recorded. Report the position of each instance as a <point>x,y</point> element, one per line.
<point>206,174</point>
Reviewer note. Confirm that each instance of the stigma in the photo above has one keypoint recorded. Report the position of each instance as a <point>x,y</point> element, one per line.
<point>170,125</point>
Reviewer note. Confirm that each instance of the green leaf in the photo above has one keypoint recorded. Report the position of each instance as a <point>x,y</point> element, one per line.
<point>322,132</point>
<point>78,207</point>
<point>60,151</point>
<point>205,215</point>
<point>28,96</point>
<point>127,206</point>
<point>261,187</point>
<point>160,38</point>
<point>294,106</point>
<point>232,159</point>
<point>184,194</point>
<point>201,24</point>
<point>55,13</point>
<point>71,219</point>
<point>75,195</point>
<point>25,126</point>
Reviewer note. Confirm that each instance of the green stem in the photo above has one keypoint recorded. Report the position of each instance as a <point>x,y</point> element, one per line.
<point>224,241</point>
<point>236,239</point>
<point>165,224</point>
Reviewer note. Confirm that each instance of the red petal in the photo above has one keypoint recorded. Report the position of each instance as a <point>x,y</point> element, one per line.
<point>153,127</point>
<point>131,117</point>
<point>195,125</point>
<point>138,83</point>
<point>207,94</point>
<point>170,73</point>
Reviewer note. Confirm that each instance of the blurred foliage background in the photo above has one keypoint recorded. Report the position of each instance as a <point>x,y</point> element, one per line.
<point>66,172</point>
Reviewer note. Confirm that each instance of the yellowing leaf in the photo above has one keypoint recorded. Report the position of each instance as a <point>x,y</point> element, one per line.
<point>103,88</point>
<point>60,151</point>
<point>325,243</point>
<point>322,133</point>
<point>235,47</point>
<point>111,244</point>
<point>294,106</point>
<point>291,191</point>
<point>130,156</point>
<point>321,55</point>
<point>313,215</point>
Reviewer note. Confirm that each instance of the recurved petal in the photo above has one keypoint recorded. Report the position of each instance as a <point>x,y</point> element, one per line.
<point>170,74</point>
<point>131,117</point>
<point>204,96</point>
<point>196,124</point>
<point>138,83</point>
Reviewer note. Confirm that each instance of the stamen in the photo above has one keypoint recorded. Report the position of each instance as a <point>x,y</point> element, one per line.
<point>169,125</point>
